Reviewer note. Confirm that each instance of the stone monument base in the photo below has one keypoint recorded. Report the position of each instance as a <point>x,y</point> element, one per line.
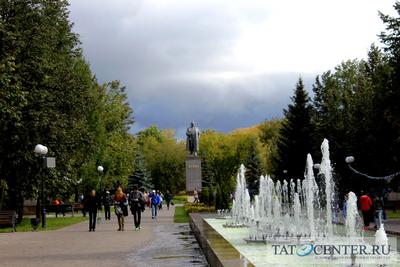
<point>193,173</point>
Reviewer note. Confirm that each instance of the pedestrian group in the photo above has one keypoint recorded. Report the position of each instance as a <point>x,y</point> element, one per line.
<point>137,201</point>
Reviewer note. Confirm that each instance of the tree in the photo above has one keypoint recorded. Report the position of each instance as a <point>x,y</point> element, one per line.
<point>350,109</point>
<point>391,39</point>
<point>342,99</point>
<point>269,136</point>
<point>116,147</point>
<point>152,131</point>
<point>253,168</point>
<point>295,141</point>
<point>45,91</point>
<point>141,176</point>
<point>165,158</point>
<point>222,158</point>
<point>48,95</point>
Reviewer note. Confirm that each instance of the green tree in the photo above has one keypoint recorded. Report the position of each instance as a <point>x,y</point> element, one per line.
<point>253,168</point>
<point>141,176</point>
<point>342,100</point>
<point>391,39</point>
<point>269,136</point>
<point>165,158</point>
<point>222,159</point>
<point>152,132</point>
<point>45,91</point>
<point>350,112</point>
<point>48,95</point>
<point>295,141</point>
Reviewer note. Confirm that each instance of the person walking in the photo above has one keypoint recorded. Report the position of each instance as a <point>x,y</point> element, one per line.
<point>120,205</point>
<point>168,199</point>
<point>378,214</point>
<point>146,198</point>
<point>155,201</point>
<point>107,201</point>
<point>136,202</point>
<point>366,206</point>
<point>196,196</point>
<point>91,206</point>
<point>161,199</point>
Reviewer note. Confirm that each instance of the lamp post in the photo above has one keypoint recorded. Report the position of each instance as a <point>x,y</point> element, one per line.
<point>285,174</point>
<point>100,169</point>
<point>387,178</point>
<point>41,150</point>
<point>349,159</point>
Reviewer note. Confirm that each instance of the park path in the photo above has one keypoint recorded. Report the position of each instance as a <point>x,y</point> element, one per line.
<point>75,246</point>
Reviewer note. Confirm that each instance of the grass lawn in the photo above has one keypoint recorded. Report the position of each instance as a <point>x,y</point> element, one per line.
<point>393,215</point>
<point>51,223</point>
<point>180,199</point>
<point>180,215</point>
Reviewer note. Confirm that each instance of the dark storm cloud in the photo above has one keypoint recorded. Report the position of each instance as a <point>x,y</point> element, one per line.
<point>178,63</point>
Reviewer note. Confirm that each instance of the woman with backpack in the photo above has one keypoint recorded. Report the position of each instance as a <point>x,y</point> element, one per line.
<point>155,201</point>
<point>120,205</point>
<point>136,202</point>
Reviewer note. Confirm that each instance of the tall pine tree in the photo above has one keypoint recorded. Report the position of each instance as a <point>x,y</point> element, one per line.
<point>295,136</point>
<point>141,176</point>
<point>253,168</point>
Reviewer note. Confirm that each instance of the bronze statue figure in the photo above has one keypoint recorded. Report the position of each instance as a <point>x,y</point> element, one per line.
<point>193,138</point>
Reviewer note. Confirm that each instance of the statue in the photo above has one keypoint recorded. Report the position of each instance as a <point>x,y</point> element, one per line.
<point>192,140</point>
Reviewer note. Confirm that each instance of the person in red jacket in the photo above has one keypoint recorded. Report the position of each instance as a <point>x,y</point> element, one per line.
<point>366,208</point>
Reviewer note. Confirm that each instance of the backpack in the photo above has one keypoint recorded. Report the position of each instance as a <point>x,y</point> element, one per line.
<point>155,199</point>
<point>136,200</point>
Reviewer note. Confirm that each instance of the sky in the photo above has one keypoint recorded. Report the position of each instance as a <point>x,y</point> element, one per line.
<point>223,64</point>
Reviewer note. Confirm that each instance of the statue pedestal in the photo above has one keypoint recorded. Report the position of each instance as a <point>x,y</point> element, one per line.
<point>193,173</point>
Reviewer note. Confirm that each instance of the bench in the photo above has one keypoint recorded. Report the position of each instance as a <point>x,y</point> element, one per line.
<point>62,208</point>
<point>8,217</point>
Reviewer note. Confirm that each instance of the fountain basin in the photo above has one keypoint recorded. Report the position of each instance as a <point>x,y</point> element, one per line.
<point>218,251</point>
<point>228,247</point>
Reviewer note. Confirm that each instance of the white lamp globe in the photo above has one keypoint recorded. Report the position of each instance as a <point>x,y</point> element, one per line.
<point>349,159</point>
<point>41,149</point>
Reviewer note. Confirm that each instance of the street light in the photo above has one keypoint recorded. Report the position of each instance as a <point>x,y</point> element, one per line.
<point>42,150</point>
<point>387,178</point>
<point>349,159</point>
<point>100,169</point>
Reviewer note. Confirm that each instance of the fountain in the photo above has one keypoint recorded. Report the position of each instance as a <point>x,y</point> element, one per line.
<point>352,211</point>
<point>326,171</point>
<point>278,213</point>
<point>295,213</point>
<point>241,208</point>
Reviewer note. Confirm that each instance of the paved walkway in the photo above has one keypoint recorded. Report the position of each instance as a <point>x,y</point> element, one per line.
<point>76,246</point>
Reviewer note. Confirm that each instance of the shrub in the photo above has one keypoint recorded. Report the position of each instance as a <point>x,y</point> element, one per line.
<point>207,196</point>
<point>198,207</point>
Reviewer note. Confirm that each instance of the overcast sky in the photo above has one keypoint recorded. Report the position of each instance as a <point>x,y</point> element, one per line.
<point>224,64</point>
